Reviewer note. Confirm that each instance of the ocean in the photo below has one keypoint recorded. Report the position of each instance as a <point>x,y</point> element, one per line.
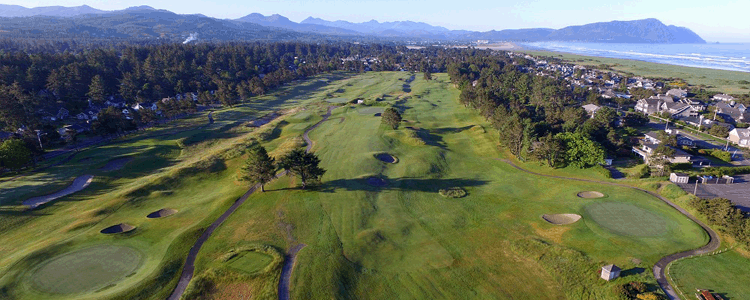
<point>730,56</point>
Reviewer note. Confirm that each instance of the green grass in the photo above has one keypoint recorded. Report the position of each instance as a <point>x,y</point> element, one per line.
<point>86,270</point>
<point>716,80</point>
<point>338,100</point>
<point>626,219</point>
<point>251,261</point>
<point>724,273</point>
<point>198,178</point>
<point>406,241</point>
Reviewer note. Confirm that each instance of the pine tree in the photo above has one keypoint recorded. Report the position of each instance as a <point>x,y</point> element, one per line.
<point>303,164</point>
<point>259,167</point>
<point>96,89</point>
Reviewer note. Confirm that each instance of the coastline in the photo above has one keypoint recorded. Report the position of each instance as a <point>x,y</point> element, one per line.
<point>725,81</point>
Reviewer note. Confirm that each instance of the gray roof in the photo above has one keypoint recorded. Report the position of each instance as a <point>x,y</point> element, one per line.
<point>611,268</point>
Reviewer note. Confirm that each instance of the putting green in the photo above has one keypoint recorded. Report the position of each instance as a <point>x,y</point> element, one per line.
<point>86,270</point>
<point>251,262</point>
<point>338,100</point>
<point>370,110</point>
<point>626,219</point>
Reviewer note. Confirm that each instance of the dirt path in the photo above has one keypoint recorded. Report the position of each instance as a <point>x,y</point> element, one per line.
<point>660,266</point>
<point>189,268</point>
<point>80,183</point>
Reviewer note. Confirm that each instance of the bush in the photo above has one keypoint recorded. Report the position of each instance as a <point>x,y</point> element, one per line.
<point>723,155</point>
<point>642,172</point>
<point>621,292</point>
<point>731,171</point>
<point>454,192</point>
<point>682,166</point>
<point>673,191</point>
<point>603,171</point>
<point>638,286</point>
<point>650,296</point>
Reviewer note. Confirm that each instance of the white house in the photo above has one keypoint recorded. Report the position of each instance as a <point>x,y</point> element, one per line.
<point>679,177</point>
<point>740,136</point>
<point>723,97</point>
<point>677,93</point>
<point>591,109</point>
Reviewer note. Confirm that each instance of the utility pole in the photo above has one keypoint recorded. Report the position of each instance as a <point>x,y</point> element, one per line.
<point>39,138</point>
<point>695,192</point>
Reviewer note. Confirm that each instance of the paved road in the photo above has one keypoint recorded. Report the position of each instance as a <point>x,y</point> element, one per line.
<point>286,271</point>
<point>189,268</point>
<point>739,158</point>
<point>660,266</point>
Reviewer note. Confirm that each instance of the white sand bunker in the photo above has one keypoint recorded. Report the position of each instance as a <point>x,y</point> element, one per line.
<point>116,164</point>
<point>164,212</point>
<point>590,194</point>
<point>78,184</point>
<point>119,228</point>
<point>561,219</point>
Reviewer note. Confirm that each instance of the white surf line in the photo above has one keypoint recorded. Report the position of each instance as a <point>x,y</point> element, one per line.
<point>78,184</point>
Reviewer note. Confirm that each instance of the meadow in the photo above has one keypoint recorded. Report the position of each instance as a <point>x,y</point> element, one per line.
<point>731,82</point>
<point>401,239</point>
<point>724,273</point>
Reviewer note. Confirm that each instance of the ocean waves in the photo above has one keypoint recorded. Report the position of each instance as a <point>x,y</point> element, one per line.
<point>732,57</point>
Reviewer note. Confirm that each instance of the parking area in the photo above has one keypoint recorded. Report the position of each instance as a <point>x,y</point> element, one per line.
<point>738,192</point>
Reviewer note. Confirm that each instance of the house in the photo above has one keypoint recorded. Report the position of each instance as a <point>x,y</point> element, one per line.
<point>740,136</point>
<point>145,105</point>
<point>677,93</point>
<point>723,97</point>
<point>732,113</point>
<point>610,272</point>
<point>652,137</point>
<point>648,106</point>
<point>647,149</point>
<point>679,177</point>
<point>82,116</point>
<point>697,105</point>
<point>114,103</point>
<point>678,109</point>
<point>591,109</point>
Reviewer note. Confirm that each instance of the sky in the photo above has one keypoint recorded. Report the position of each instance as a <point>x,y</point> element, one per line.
<point>715,21</point>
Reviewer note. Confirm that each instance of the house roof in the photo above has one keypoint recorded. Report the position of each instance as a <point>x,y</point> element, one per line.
<point>677,92</point>
<point>741,132</point>
<point>611,268</point>
<point>590,108</point>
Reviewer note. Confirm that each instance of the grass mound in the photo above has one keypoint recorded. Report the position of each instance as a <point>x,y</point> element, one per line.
<point>86,270</point>
<point>590,194</point>
<point>253,259</point>
<point>164,212</point>
<point>371,110</point>
<point>119,228</point>
<point>454,192</point>
<point>561,219</point>
<point>627,219</point>
<point>386,158</point>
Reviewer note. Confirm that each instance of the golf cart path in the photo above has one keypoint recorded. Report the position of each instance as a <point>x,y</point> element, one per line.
<point>286,271</point>
<point>660,266</point>
<point>80,183</point>
<point>189,268</point>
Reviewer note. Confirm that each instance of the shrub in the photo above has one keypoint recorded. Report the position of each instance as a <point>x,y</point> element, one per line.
<point>650,296</point>
<point>682,166</point>
<point>723,155</point>
<point>641,172</point>
<point>621,292</point>
<point>454,192</point>
<point>603,171</point>
<point>638,286</point>
<point>673,191</point>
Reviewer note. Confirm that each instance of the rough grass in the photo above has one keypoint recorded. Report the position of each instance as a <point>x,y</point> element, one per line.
<point>724,273</point>
<point>404,241</point>
<point>197,179</point>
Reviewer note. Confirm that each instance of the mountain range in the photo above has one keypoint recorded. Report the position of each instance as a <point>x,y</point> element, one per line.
<point>147,22</point>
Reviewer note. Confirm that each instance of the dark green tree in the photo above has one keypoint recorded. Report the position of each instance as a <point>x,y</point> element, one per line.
<point>96,90</point>
<point>391,117</point>
<point>302,164</point>
<point>259,167</point>
<point>14,154</point>
<point>580,150</point>
<point>550,149</point>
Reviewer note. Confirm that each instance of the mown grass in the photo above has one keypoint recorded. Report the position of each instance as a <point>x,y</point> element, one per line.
<point>405,241</point>
<point>716,80</point>
<point>188,166</point>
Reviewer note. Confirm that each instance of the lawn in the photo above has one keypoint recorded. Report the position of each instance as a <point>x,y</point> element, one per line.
<point>404,240</point>
<point>716,80</point>
<point>724,273</point>
<point>186,165</point>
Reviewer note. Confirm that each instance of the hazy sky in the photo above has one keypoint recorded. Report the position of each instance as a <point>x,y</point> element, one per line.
<point>717,20</point>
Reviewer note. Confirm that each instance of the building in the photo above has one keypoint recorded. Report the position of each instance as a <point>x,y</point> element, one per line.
<point>723,97</point>
<point>610,272</point>
<point>740,136</point>
<point>591,109</point>
<point>677,93</point>
<point>679,177</point>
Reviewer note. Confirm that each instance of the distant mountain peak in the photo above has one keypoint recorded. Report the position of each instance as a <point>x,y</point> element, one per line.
<point>140,7</point>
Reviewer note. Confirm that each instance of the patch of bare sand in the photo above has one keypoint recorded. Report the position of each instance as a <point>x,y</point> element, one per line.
<point>561,219</point>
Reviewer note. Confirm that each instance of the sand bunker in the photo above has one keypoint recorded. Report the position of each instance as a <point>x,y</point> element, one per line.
<point>78,184</point>
<point>119,228</point>
<point>561,219</point>
<point>376,181</point>
<point>590,194</point>
<point>164,212</point>
<point>387,158</point>
<point>116,164</point>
